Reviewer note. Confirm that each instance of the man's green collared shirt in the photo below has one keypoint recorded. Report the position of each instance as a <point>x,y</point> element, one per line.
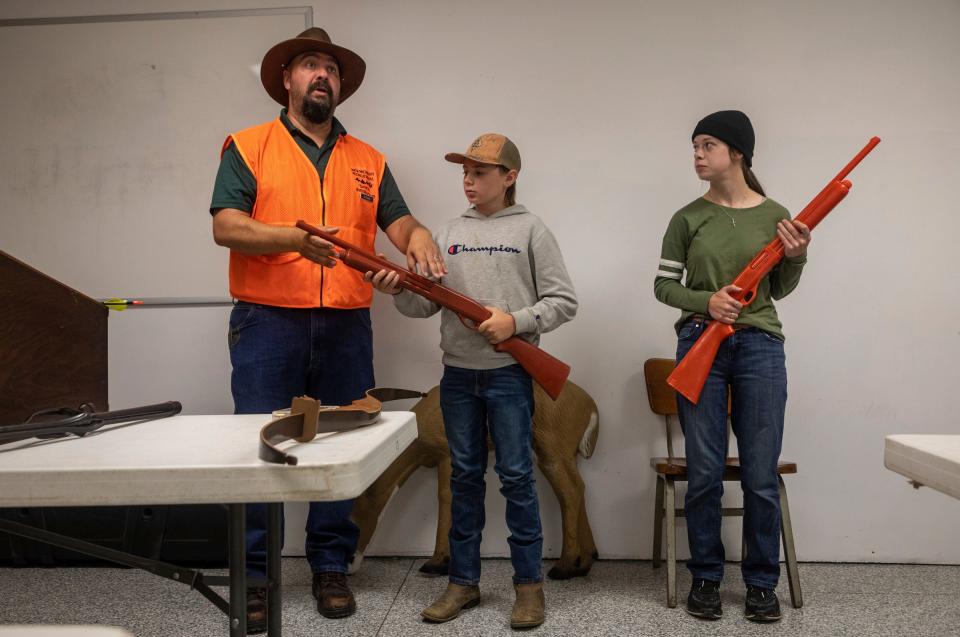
<point>236,187</point>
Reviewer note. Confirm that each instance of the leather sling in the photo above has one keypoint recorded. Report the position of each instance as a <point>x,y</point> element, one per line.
<point>308,418</point>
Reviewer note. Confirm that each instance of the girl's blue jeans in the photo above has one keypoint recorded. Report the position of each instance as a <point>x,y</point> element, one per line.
<point>752,364</point>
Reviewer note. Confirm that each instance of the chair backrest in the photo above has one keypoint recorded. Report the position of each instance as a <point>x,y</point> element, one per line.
<point>663,398</point>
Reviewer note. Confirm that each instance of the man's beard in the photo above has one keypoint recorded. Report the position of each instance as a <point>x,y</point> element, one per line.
<point>318,111</point>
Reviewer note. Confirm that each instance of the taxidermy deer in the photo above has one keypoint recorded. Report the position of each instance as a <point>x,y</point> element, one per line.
<point>561,429</point>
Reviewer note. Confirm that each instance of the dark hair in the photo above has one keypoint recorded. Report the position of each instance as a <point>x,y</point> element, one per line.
<point>752,182</point>
<point>510,197</point>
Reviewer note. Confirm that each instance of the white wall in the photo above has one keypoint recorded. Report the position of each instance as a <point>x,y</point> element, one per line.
<point>601,98</point>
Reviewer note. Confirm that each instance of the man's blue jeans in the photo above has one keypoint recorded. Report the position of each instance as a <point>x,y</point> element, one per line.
<point>752,363</point>
<point>278,353</point>
<point>502,400</point>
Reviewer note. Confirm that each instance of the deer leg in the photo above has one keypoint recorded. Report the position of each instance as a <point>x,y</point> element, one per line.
<point>568,487</point>
<point>368,508</point>
<point>439,563</point>
<point>588,548</point>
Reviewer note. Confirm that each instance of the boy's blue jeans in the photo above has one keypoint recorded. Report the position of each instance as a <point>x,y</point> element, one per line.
<point>502,400</point>
<point>278,353</point>
<point>752,363</point>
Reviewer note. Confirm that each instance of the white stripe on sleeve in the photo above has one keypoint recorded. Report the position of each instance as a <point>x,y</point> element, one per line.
<point>669,275</point>
<point>672,264</point>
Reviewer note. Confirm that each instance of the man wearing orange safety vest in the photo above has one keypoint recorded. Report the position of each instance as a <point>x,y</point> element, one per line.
<point>301,325</point>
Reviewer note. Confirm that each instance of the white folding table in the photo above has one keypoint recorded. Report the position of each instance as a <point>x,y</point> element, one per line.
<point>927,459</point>
<point>196,460</point>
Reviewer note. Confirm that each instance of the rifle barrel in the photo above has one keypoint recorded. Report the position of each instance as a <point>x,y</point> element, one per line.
<point>857,159</point>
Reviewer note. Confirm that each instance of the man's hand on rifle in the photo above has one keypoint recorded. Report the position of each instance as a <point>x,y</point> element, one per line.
<point>316,249</point>
<point>723,307</point>
<point>795,237</point>
<point>386,281</point>
<point>423,253</point>
<point>499,327</point>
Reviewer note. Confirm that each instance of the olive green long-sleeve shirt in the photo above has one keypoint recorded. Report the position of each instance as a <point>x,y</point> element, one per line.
<point>713,244</point>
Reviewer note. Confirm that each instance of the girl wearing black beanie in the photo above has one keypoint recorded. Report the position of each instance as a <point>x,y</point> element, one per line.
<point>711,240</point>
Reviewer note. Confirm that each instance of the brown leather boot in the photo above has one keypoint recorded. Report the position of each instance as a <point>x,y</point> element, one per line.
<point>256,611</point>
<point>334,598</point>
<point>456,598</point>
<point>528,610</point>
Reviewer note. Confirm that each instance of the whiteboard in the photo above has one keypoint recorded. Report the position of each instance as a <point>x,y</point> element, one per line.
<point>601,98</point>
<point>111,136</point>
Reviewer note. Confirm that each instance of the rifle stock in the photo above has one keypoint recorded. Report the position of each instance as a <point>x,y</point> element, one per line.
<point>689,376</point>
<point>691,373</point>
<point>548,372</point>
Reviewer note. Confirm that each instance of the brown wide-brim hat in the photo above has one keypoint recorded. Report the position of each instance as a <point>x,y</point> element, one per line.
<point>352,66</point>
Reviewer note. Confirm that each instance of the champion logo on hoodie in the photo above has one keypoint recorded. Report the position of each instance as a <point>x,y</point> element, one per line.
<point>457,248</point>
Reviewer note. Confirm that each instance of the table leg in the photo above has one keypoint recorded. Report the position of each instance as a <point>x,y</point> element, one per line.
<point>238,570</point>
<point>274,577</point>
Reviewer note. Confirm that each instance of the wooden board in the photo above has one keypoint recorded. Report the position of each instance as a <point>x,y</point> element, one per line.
<point>53,344</point>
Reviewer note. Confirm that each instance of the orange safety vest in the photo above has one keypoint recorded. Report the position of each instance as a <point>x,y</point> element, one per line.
<point>288,189</point>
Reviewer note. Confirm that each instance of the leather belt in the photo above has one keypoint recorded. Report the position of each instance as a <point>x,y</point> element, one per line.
<point>308,418</point>
<point>700,319</point>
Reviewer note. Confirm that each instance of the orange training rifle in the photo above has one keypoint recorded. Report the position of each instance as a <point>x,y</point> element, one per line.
<point>549,372</point>
<point>691,373</point>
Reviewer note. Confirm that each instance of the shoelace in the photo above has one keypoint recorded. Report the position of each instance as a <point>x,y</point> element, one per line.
<point>336,581</point>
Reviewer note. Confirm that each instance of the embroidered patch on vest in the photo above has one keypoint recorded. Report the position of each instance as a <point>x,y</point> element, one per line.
<point>364,180</point>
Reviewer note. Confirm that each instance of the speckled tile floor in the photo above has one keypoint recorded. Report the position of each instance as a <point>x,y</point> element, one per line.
<point>616,598</point>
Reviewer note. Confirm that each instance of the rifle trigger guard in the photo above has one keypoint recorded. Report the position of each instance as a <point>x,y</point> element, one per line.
<point>465,324</point>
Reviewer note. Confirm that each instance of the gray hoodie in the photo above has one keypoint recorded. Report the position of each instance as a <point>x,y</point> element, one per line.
<point>508,260</point>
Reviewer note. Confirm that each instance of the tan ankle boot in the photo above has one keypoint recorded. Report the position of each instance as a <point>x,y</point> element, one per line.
<point>528,610</point>
<point>451,602</point>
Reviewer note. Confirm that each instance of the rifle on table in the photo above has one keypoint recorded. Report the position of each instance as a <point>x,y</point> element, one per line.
<point>549,372</point>
<point>65,421</point>
<point>691,373</point>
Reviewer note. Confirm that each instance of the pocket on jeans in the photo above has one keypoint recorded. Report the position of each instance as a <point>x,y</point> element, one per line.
<point>515,369</point>
<point>363,316</point>
<point>773,338</point>
<point>241,316</point>
<point>690,329</point>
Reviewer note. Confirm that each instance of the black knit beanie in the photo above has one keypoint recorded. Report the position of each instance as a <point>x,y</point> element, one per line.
<point>731,127</point>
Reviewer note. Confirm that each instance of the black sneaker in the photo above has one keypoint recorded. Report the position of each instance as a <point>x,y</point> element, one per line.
<point>704,599</point>
<point>762,605</point>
